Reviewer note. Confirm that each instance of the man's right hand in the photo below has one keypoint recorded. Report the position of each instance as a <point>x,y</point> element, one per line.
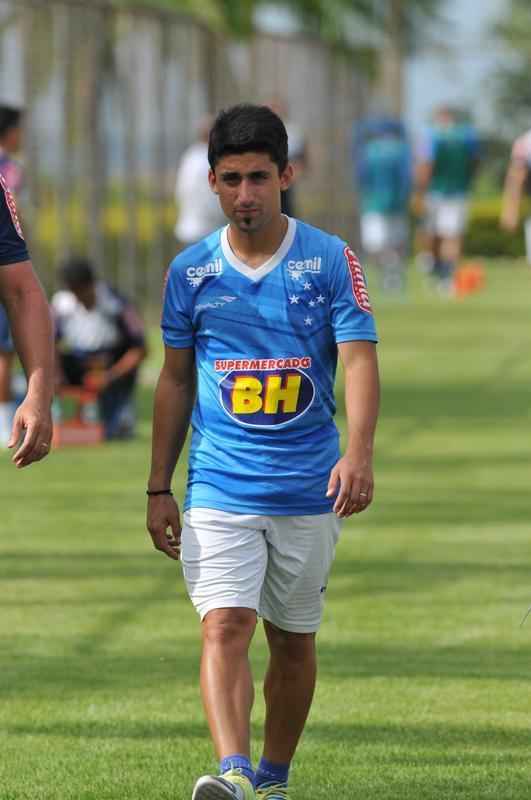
<point>164,524</point>
<point>32,432</point>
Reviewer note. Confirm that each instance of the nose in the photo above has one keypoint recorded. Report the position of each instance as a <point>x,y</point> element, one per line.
<point>245,193</point>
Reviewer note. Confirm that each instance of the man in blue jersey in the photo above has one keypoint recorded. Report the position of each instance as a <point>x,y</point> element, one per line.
<point>30,322</point>
<point>254,317</point>
<point>448,159</point>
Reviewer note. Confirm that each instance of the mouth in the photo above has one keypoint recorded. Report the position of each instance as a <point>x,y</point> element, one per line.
<point>245,212</point>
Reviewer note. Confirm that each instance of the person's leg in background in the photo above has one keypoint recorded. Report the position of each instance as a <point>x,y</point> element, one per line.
<point>394,255</point>
<point>116,408</point>
<point>451,224</point>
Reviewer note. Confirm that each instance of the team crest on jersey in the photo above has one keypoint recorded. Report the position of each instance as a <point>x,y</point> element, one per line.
<point>265,393</point>
<point>196,275</point>
<point>359,288</point>
<point>10,200</point>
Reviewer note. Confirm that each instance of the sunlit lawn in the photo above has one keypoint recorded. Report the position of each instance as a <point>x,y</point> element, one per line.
<point>425,673</point>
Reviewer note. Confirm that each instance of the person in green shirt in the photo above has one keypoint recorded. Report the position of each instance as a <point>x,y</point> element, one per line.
<point>447,164</point>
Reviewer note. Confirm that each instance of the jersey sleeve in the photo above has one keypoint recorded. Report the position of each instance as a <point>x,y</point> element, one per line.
<point>350,307</point>
<point>176,324</point>
<point>12,245</point>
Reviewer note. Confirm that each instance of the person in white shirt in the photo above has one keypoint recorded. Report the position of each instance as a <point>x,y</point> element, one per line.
<point>100,344</point>
<point>516,186</point>
<point>198,209</point>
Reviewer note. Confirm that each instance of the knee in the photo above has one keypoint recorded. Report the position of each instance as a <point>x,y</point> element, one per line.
<point>229,627</point>
<point>291,650</point>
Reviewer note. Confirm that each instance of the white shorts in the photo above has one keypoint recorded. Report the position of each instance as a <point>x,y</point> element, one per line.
<point>383,232</point>
<point>277,566</point>
<point>445,217</point>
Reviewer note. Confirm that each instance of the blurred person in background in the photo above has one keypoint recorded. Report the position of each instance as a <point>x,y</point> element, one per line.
<point>517,182</point>
<point>101,344</point>
<point>198,211</point>
<point>10,145</point>
<point>382,161</point>
<point>297,156</point>
<point>447,162</point>
<point>30,321</point>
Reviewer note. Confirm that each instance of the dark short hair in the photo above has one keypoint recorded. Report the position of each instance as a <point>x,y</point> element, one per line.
<point>10,117</point>
<point>77,273</point>
<point>247,128</point>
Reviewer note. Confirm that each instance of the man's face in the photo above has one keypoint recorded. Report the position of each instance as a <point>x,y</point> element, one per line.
<point>12,141</point>
<point>249,186</point>
<point>86,295</point>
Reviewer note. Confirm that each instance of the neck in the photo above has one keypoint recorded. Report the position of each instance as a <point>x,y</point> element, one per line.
<point>258,243</point>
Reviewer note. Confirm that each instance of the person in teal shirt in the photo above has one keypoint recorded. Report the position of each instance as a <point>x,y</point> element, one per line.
<point>382,161</point>
<point>448,158</point>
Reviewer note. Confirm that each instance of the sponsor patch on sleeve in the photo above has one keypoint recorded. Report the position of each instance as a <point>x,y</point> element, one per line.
<point>10,200</point>
<point>359,287</point>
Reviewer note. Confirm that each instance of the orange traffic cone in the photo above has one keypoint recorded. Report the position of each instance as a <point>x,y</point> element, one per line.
<point>469,278</point>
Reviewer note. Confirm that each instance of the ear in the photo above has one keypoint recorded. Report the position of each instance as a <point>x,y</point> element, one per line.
<point>212,181</point>
<point>286,177</point>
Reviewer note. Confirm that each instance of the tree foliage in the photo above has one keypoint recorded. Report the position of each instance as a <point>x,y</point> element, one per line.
<point>347,24</point>
<point>513,78</point>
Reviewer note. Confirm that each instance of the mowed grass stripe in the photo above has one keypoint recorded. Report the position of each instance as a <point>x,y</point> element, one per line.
<point>424,670</point>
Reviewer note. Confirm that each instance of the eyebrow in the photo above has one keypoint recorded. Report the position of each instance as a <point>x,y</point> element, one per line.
<point>259,173</point>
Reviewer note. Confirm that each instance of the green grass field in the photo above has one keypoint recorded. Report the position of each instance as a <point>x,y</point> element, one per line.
<point>424,671</point>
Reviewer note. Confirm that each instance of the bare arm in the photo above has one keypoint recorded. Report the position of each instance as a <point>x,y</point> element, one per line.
<point>423,173</point>
<point>174,399</point>
<point>130,361</point>
<point>31,324</point>
<point>512,194</point>
<point>353,474</point>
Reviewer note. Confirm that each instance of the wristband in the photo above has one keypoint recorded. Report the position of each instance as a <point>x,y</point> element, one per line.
<point>159,491</point>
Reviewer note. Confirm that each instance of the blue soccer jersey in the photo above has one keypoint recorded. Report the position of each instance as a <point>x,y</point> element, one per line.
<point>12,246</point>
<point>263,436</point>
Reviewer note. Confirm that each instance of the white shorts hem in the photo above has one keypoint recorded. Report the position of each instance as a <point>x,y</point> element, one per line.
<point>215,605</point>
<point>287,626</point>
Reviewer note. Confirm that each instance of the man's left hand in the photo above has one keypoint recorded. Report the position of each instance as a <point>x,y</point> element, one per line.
<point>33,421</point>
<point>354,485</point>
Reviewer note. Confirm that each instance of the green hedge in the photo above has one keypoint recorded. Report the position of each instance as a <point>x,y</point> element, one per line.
<point>485,236</point>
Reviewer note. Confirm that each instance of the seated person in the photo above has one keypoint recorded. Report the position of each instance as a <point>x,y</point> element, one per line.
<point>101,344</point>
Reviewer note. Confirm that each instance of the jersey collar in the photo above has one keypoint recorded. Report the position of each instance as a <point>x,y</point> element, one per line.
<point>260,272</point>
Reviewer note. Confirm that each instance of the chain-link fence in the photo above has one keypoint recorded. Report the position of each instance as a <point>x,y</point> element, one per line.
<point>113,97</point>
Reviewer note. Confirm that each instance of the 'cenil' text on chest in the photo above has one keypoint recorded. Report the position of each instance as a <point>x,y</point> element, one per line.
<point>307,265</point>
